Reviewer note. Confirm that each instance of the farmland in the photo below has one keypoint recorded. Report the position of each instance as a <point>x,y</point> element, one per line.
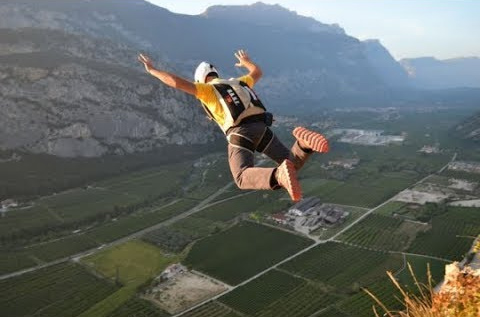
<point>73,244</point>
<point>360,304</point>
<point>221,241</point>
<point>278,294</point>
<point>341,266</point>
<point>450,235</point>
<point>77,207</point>
<point>138,307</point>
<point>242,251</point>
<point>265,290</point>
<point>120,267</point>
<point>382,233</point>
<point>62,290</point>
<point>212,309</point>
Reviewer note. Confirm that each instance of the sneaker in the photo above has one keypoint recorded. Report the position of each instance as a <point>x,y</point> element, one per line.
<point>286,176</point>
<point>310,140</point>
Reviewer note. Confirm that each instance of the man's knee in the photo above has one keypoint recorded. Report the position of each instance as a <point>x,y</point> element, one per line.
<point>238,179</point>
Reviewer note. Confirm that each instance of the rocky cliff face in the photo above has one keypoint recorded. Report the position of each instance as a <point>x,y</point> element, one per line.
<point>470,128</point>
<point>71,85</point>
<point>84,99</point>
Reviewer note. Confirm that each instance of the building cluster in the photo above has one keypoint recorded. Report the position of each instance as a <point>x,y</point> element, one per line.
<point>343,163</point>
<point>366,137</point>
<point>172,271</point>
<point>429,149</point>
<point>6,204</point>
<point>310,214</point>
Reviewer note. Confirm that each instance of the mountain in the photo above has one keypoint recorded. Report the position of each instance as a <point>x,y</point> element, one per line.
<point>71,85</point>
<point>273,16</point>
<point>73,95</point>
<point>391,72</point>
<point>470,128</point>
<point>431,73</point>
<point>309,61</point>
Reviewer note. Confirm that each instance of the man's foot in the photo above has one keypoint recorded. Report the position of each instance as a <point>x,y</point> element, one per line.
<point>286,176</point>
<point>310,140</point>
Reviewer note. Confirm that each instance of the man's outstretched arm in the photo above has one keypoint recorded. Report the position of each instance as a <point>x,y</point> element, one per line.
<point>167,78</point>
<point>244,61</point>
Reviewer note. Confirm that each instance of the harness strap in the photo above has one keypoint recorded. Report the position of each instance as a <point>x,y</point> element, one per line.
<point>243,142</point>
<point>265,141</point>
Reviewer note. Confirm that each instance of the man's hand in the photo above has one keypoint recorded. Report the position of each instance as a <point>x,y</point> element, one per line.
<point>244,61</point>
<point>243,58</point>
<point>147,62</point>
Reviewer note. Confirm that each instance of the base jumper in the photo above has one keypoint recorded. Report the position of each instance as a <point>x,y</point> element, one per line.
<point>236,108</point>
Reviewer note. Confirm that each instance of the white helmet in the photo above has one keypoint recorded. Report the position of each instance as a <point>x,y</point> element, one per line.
<point>204,70</point>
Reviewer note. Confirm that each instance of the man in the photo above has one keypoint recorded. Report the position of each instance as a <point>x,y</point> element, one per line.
<point>235,107</point>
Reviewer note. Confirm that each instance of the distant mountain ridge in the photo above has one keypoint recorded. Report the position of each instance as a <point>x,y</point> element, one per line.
<point>431,73</point>
<point>262,14</point>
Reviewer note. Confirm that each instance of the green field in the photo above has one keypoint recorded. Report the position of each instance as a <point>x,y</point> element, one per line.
<point>304,300</point>
<point>450,235</point>
<point>61,290</point>
<point>261,292</point>
<point>81,206</point>
<point>130,264</point>
<point>390,208</point>
<point>212,309</point>
<point>118,262</point>
<point>231,208</point>
<point>382,233</point>
<point>44,252</point>
<point>138,307</point>
<point>240,252</point>
<point>361,304</point>
<point>278,294</point>
<point>341,266</point>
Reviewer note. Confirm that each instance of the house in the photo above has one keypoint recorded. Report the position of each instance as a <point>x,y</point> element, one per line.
<point>172,271</point>
<point>344,163</point>
<point>279,218</point>
<point>8,203</point>
<point>303,207</point>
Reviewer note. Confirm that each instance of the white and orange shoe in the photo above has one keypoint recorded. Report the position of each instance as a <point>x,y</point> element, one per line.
<point>311,140</point>
<point>286,176</point>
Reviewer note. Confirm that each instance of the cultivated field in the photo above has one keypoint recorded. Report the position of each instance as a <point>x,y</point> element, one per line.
<point>118,265</point>
<point>61,290</point>
<point>383,233</point>
<point>341,266</point>
<point>240,252</point>
<point>451,234</point>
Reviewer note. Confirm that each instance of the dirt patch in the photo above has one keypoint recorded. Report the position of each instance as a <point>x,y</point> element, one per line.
<point>420,197</point>
<point>466,203</point>
<point>462,184</point>
<point>183,291</point>
<point>409,230</point>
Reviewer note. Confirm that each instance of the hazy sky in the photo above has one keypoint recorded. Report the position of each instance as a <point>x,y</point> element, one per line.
<point>407,28</point>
